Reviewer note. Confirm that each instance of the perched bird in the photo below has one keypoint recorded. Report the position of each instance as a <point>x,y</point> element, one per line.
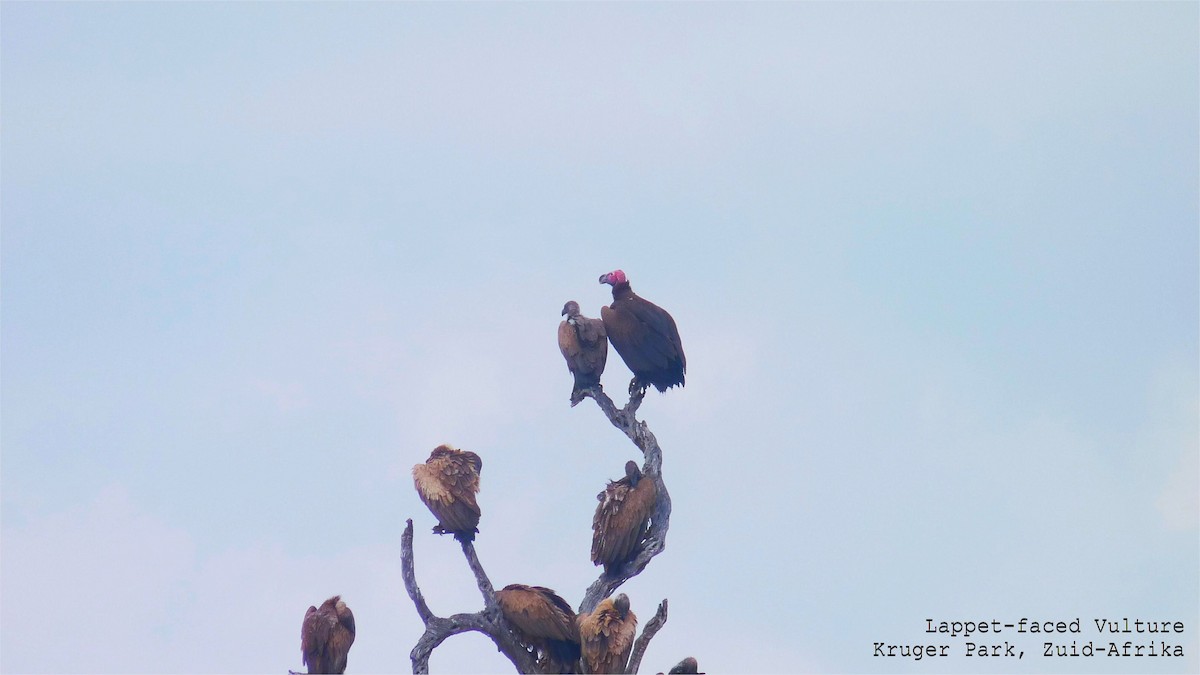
<point>687,666</point>
<point>326,636</point>
<point>585,347</point>
<point>606,636</point>
<point>545,622</point>
<point>447,483</point>
<point>621,517</point>
<point>645,336</point>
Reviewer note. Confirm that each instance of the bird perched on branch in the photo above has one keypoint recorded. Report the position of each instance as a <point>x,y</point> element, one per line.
<point>584,345</point>
<point>326,636</point>
<point>606,636</point>
<point>545,622</point>
<point>447,482</point>
<point>621,517</point>
<point>645,336</point>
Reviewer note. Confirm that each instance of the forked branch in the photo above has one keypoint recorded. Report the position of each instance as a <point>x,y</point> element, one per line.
<point>488,621</point>
<point>491,622</point>
<point>626,420</point>
<point>648,631</point>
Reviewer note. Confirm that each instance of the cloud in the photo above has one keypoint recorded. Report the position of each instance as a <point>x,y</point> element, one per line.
<point>1179,502</point>
<point>109,588</point>
<point>74,581</point>
<point>349,236</point>
<point>1172,438</point>
<point>285,397</point>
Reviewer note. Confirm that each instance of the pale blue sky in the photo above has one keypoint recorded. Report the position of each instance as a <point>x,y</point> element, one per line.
<point>935,267</point>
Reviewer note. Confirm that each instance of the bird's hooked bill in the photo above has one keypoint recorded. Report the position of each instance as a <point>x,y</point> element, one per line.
<point>614,277</point>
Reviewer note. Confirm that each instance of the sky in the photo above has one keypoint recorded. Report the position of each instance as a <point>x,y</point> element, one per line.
<point>936,269</point>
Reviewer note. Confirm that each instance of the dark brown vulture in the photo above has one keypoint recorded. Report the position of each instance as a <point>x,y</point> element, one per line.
<point>447,483</point>
<point>326,636</point>
<point>687,666</point>
<point>545,622</point>
<point>583,344</point>
<point>606,636</point>
<point>645,336</point>
<point>621,517</point>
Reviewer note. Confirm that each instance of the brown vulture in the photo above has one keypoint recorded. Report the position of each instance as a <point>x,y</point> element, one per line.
<point>688,666</point>
<point>545,622</point>
<point>585,347</point>
<point>621,517</point>
<point>606,636</point>
<point>326,636</point>
<point>645,336</point>
<point>447,483</point>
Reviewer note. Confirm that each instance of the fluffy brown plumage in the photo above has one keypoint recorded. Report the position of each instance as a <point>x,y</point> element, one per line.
<point>606,636</point>
<point>545,622</point>
<point>584,345</point>
<point>621,517</point>
<point>447,482</point>
<point>645,336</point>
<point>326,636</point>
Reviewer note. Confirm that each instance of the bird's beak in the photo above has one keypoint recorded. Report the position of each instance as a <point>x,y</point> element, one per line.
<point>604,278</point>
<point>564,312</point>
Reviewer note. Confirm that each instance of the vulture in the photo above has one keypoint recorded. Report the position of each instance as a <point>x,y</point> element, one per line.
<point>688,666</point>
<point>447,483</point>
<point>545,622</point>
<point>621,517</point>
<point>606,636</point>
<point>585,347</point>
<point>645,336</point>
<point>326,636</point>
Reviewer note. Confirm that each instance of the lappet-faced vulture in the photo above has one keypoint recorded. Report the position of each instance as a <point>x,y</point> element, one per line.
<point>606,636</point>
<point>621,517</point>
<point>545,622</point>
<point>447,483</point>
<point>585,347</point>
<point>645,336</point>
<point>326,636</point>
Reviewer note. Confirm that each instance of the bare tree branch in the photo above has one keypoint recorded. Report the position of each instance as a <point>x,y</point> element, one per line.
<point>410,575</point>
<point>648,632</point>
<point>488,621</point>
<point>481,577</point>
<point>656,539</point>
<point>491,622</point>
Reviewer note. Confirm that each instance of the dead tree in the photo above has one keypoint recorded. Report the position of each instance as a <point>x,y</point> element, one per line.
<point>491,622</point>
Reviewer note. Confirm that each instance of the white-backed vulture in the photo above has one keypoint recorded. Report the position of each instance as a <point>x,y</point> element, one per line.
<point>606,636</point>
<point>326,636</point>
<point>447,482</point>
<point>545,622</point>
<point>584,345</point>
<point>645,336</point>
<point>621,517</point>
